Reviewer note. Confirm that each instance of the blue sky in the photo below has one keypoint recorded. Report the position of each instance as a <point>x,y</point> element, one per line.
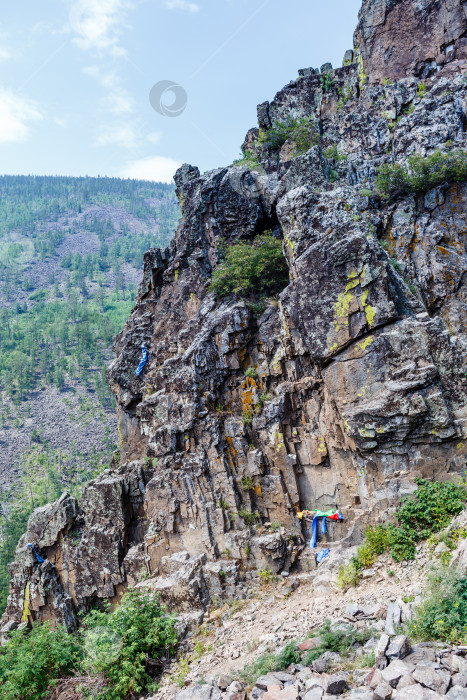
<point>75,78</point>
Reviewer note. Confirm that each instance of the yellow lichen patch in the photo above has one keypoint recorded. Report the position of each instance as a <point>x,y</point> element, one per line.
<point>347,428</point>
<point>366,433</point>
<point>177,272</point>
<point>460,445</point>
<point>26,610</point>
<point>370,313</point>
<point>322,449</point>
<point>365,343</point>
<point>278,440</point>
<point>341,308</point>
<point>348,301</point>
<point>352,283</point>
<point>258,489</point>
<point>291,244</point>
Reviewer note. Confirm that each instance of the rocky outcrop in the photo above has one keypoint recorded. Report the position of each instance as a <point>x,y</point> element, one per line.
<point>357,380</point>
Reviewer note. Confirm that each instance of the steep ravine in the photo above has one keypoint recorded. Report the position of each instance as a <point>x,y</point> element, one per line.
<point>363,352</point>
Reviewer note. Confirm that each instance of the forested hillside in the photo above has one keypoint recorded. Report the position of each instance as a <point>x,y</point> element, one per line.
<point>71,253</point>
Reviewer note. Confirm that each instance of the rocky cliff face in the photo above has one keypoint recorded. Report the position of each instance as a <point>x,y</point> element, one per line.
<point>363,353</point>
<point>400,38</point>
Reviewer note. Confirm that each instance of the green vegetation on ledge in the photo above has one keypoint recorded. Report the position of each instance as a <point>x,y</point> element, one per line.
<point>428,510</point>
<point>258,266</point>
<point>303,131</point>
<point>421,174</point>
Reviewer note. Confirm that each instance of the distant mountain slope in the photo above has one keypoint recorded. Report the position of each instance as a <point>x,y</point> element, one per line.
<point>71,252</point>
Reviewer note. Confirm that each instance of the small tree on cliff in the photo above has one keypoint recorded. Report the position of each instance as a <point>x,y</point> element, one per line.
<point>257,266</point>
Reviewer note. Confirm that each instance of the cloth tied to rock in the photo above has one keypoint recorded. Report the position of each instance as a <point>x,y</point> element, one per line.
<point>331,514</point>
<point>38,557</point>
<point>144,359</point>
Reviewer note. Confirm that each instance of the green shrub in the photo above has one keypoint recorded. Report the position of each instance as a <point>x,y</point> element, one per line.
<point>258,266</point>
<point>421,174</point>
<point>365,193</point>
<point>333,153</point>
<point>247,417</point>
<point>303,132</point>
<point>288,655</point>
<point>113,645</point>
<point>248,158</point>
<point>340,641</point>
<point>395,264</point>
<point>32,660</point>
<point>327,81</point>
<point>443,613</point>
<point>39,295</point>
<point>304,136</point>
<point>271,662</point>
<point>252,373</point>
<point>249,517</point>
<point>348,575</point>
<point>377,538</point>
<point>266,576</point>
<point>345,95</point>
<point>143,630</point>
<point>258,307</point>
<point>429,509</point>
<point>261,667</point>
<point>248,484</point>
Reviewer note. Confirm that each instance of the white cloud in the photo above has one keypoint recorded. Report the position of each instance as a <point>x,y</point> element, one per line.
<point>117,135</point>
<point>98,24</point>
<point>4,54</point>
<point>16,114</point>
<point>154,137</point>
<point>114,107</point>
<point>182,5</point>
<point>156,168</point>
<point>118,102</point>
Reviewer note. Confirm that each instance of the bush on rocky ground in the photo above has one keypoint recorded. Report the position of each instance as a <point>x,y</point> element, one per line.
<point>443,613</point>
<point>428,510</point>
<point>125,648</point>
<point>421,174</point>
<point>258,266</point>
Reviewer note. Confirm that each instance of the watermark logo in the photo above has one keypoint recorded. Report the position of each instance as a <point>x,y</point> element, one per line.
<point>102,645</point>
<point>81,18</point>
<point>247,182</point>
<point>168,98</point>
